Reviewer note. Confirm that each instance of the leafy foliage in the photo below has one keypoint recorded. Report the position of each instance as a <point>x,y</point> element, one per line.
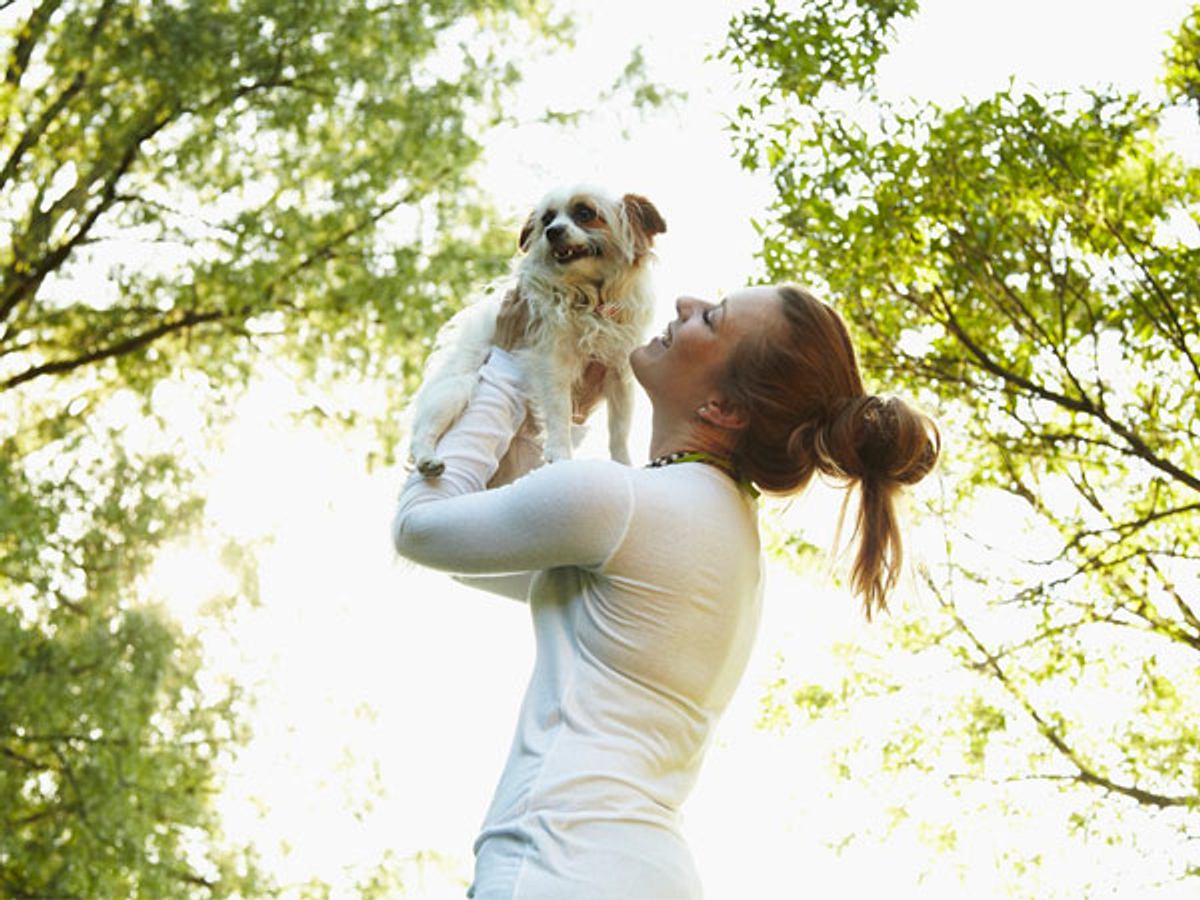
<point>1025,265</point>
<point>1183,61</point>
<point>195,187</point>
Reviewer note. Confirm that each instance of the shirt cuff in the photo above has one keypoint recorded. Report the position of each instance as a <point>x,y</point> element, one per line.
<point>504,366</point>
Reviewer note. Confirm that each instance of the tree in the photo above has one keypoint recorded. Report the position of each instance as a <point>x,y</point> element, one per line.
<point>1025,266</point>
<point>195,187</point>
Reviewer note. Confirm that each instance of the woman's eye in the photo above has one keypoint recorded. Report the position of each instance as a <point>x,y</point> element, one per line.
<point>707,320</point>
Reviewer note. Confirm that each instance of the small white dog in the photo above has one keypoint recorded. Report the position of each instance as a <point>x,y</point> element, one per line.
<point>584,279</point>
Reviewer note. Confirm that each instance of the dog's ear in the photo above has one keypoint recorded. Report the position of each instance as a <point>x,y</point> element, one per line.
<point>527,231</point>
<point>645,219</point>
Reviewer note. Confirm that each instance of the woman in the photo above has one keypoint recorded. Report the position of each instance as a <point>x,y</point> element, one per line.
<point>647,586</point>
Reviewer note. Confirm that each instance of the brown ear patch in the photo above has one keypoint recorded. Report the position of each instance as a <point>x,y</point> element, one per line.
<point>645,218</point>
<point>527,231</point>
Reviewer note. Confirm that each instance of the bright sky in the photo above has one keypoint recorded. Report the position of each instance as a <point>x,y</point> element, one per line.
<point>386,697</point>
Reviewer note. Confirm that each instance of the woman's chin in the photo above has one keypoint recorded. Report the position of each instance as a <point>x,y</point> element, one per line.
<point>649,353</point>
<point>638,359</point>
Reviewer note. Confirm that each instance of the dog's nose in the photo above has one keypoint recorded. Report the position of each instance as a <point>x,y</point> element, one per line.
<point>554,232</point>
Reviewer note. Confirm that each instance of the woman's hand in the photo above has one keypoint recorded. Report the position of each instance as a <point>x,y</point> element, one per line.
<point>511,322</point>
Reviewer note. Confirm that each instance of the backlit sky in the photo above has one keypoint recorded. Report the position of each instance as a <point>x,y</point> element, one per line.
<point>387,696</point>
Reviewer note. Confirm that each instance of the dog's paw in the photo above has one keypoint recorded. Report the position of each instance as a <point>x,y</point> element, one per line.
<point>431,467</point>
<point>553,454</point>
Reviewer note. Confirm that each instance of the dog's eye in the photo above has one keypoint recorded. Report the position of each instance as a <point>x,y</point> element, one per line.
<point>583,213</point>
<point>547,218</point>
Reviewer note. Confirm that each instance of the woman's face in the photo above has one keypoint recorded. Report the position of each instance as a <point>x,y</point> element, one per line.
<point>682,367</point>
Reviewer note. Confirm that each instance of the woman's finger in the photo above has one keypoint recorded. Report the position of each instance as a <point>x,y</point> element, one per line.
<point>511,321</point>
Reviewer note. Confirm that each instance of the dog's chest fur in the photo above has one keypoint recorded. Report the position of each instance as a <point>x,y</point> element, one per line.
<point>595,327</point>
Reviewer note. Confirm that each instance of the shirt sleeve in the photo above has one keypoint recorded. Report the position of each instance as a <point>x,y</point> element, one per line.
<point>513,585</point>
<point>574,512</point>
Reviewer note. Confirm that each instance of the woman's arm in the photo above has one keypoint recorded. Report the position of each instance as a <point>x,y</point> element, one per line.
<point>513,585</point>
<point>523,456</point>
<point>571,513</point>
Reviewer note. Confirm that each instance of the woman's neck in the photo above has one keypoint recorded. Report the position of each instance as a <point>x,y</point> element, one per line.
<point>673,436</point>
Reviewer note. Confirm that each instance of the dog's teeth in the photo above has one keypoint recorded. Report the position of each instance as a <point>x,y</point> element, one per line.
<point>567,254</point>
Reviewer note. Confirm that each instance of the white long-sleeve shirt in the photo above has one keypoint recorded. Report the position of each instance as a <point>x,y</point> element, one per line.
<point>645,596</point>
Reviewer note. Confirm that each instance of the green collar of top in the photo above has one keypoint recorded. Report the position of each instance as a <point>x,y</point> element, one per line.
<point>720,462</point>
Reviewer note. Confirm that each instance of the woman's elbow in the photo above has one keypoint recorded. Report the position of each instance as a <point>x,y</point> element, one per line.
<point>407,536</point>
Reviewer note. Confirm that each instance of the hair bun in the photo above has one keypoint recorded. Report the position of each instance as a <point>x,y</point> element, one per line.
<point>873,437</point>
<point>876,433</point>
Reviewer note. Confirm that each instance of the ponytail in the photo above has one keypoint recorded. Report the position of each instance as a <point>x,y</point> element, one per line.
<point>808,412</point>
<point>880,444</point>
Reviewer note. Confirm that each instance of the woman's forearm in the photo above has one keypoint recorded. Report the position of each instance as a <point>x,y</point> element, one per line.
<point>571,513</point>
<point>474,445</point>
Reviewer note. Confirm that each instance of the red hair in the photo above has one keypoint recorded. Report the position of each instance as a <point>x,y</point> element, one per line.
<point>807,411</point>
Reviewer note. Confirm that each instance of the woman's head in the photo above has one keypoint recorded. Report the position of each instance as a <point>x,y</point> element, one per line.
<point>681,369</point>
<point>782,382</point>
<point>806,411</point>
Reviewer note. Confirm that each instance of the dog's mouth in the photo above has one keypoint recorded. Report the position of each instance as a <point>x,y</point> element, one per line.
<point>565,255</point>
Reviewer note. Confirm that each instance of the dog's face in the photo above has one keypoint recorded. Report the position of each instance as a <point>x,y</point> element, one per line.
<point>581,234</point>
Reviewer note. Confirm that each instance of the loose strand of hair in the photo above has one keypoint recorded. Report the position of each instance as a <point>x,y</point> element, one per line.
<point>879,554</point>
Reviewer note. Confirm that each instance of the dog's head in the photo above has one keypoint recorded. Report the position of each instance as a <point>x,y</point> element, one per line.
<point>582,234</point>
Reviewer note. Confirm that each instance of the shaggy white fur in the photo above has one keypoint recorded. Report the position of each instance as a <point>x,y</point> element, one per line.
<point>583,275</point>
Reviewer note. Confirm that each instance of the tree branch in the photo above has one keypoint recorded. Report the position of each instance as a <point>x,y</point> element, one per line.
<point>29,34</point>
<point>25,286</point>
<point>1139,605</point>
<point>1126,528</point>
<point>1185,609</point>
<point>1023,320</point>
<point>1084,773</point>
<point>191,878</point>
<point>26,761</point>
<point>1083,405</point>
<point>120,349</point>
<point>79,804</point>
<point>31,136</point>
<point>74,738</point>
<point>51,113</point>
<point>45,812</point>
<point>1175,331</point>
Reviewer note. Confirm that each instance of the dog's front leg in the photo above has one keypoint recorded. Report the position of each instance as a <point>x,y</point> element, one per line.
<point>551,373</point>
<point>618,395</point>
<point>439,403</point>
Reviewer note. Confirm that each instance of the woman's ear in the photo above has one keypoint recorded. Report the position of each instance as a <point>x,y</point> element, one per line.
<point>722,414</point>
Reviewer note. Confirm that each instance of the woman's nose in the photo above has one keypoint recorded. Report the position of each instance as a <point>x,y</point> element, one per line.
<point>684,306</point>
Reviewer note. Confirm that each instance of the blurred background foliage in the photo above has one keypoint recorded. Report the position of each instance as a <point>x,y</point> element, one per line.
<point>192,191</point>
<point>1026,267</point>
